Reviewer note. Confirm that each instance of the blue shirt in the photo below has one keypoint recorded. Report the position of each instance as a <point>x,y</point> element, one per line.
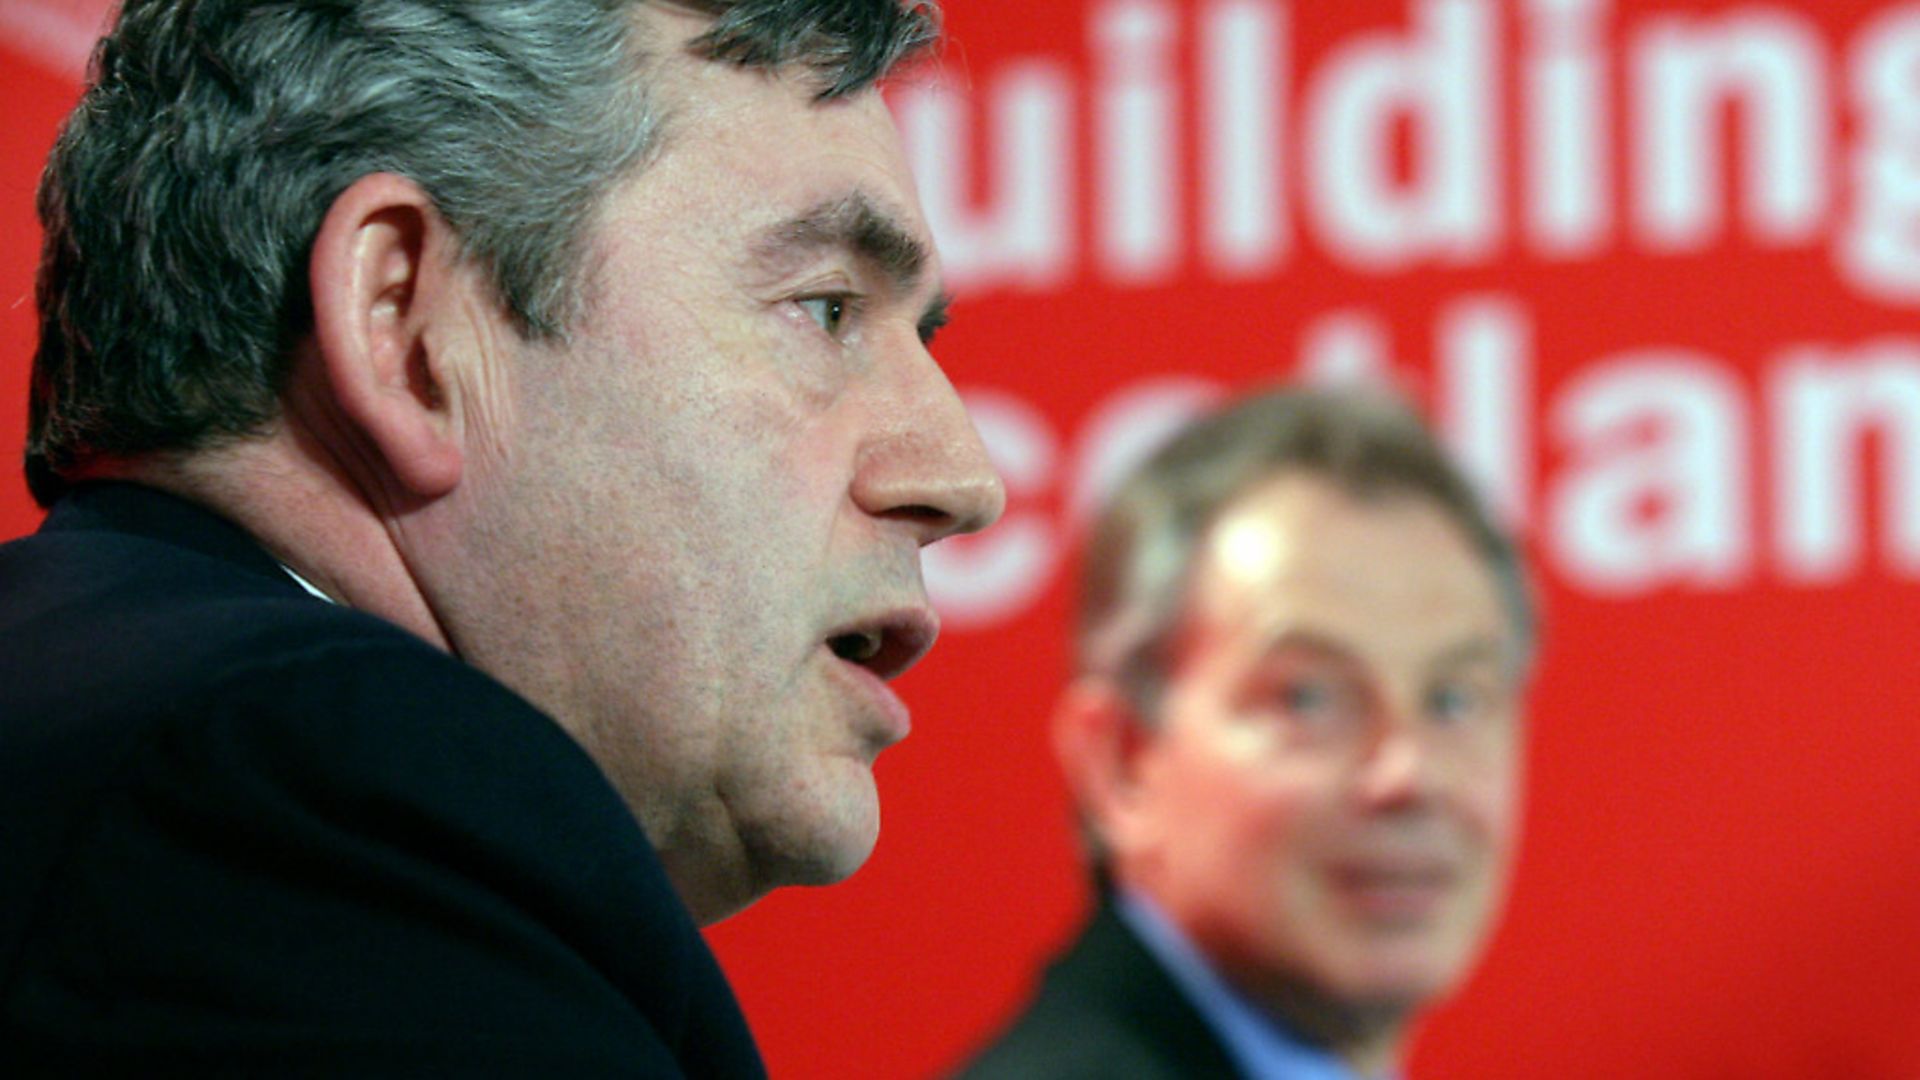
<point>1260,1047</point>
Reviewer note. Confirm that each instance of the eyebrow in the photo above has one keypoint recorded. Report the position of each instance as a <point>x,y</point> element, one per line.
<point>1309,640</point>
<point>1476,650</point>
<point>1480,650</point>
<point>858,224</point>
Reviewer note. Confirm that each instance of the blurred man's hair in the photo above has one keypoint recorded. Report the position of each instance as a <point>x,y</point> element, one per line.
<point>1141,553</point>
<point>182,198</point>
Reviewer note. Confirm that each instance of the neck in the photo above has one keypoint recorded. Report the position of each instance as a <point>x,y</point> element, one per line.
<point>1376,1057</point>
<point>1368,1037</point>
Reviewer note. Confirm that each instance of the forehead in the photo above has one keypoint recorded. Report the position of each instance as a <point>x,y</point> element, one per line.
<point>758,143</point>
<point>1392,576</point>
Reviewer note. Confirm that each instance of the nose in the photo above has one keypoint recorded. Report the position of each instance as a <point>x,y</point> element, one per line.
<point>925,467</point>
<point>1399,770</point>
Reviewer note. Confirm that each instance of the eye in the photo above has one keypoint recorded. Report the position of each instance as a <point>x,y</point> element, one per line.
<point>827,312</point>
<point>1319,701</point>
<point>1455,703</point>
<point>1306,695</point>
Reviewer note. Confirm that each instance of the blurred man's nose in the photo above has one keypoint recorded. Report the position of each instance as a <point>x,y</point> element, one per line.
<point>1400,767</point>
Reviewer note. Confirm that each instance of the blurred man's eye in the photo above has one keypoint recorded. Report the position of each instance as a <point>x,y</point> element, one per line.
<point>1303,696</point>
<point>1319,701</point>
<point>1458,702</point>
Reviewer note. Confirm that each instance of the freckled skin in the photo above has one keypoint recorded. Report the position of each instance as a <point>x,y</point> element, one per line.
<point>1342,863</point>
<point>704,482</point>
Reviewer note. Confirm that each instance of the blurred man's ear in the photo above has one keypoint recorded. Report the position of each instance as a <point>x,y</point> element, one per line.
<point>1099,736</point>
<point>385,275</point>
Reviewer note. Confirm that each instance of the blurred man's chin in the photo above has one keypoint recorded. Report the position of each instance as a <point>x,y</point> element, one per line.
<point>1404,979</point>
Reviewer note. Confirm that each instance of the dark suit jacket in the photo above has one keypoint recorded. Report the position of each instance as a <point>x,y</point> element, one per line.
<point>1106,1010</point>
<point>244,831</point>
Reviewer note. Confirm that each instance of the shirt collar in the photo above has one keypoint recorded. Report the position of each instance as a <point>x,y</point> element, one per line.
<point>305,584</point>
<point>1262,1047</point>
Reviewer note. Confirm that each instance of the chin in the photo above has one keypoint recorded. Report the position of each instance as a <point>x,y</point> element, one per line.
<point>822,845</point>
<point>1405,978</point>
<point>824,864</point>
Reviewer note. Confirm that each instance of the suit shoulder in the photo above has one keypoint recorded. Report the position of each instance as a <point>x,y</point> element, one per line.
<point>105,623</point>
<point>337,827</point>
<point>1105,1008</point>
<point>1059,1041</point>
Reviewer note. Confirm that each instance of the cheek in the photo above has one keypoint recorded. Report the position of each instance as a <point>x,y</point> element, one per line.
<point>836,470</point>
<point>1253,873</point>
<point>1490,806</point>
<point>1257,818</point>
<point>812,461</point>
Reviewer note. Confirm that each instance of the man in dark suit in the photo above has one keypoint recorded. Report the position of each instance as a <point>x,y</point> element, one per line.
<point>487,449</point>
<point>1294,742</point>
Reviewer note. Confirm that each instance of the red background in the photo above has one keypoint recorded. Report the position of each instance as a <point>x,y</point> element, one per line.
<point>1722,860</point>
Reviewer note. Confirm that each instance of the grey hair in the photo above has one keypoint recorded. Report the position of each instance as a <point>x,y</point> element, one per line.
<point>1139,559</point>
<point>181,200</point>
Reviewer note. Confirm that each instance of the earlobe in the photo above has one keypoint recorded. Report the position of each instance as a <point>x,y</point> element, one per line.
<point>383,268</point>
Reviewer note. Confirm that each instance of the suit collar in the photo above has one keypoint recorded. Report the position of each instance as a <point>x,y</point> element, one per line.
<point>128,508</point>
<point>1261,1042</point>
<point>1112,970</point>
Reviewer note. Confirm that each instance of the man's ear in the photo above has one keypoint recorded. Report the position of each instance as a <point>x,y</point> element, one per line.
<point>1100,740</point>
<point>385,267</point>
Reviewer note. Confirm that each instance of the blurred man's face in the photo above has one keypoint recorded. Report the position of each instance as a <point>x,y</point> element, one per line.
<point>1329,804</point>
<point>703,523</point>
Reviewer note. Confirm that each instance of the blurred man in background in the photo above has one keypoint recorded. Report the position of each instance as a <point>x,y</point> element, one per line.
<point>1295,743</point>
<point>488,448</point>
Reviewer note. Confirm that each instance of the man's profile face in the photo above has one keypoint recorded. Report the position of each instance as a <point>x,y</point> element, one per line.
<point>1330,799</point>
<point>706,507</point>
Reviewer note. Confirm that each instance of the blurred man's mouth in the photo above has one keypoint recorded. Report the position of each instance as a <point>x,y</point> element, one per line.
<point>1395,893</point>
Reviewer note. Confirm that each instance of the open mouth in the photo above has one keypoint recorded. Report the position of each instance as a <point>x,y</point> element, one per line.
<point>887,645</point>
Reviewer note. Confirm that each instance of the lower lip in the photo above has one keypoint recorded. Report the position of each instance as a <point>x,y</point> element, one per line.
<point>886,705</point>
<point>1392,902</point>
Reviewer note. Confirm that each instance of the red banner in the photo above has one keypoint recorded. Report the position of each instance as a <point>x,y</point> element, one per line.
<point>1654,270</point>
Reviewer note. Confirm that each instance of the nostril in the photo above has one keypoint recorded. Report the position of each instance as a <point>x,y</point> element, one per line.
<point>971,508</point>
<point>924,514</point>
<point>857,648</point>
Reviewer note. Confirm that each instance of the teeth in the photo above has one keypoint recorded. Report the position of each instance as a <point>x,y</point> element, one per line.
<point>857,648</point>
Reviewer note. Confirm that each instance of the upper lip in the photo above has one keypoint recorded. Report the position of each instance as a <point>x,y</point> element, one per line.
<point>1404,870</point>
<point>888,643</point>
